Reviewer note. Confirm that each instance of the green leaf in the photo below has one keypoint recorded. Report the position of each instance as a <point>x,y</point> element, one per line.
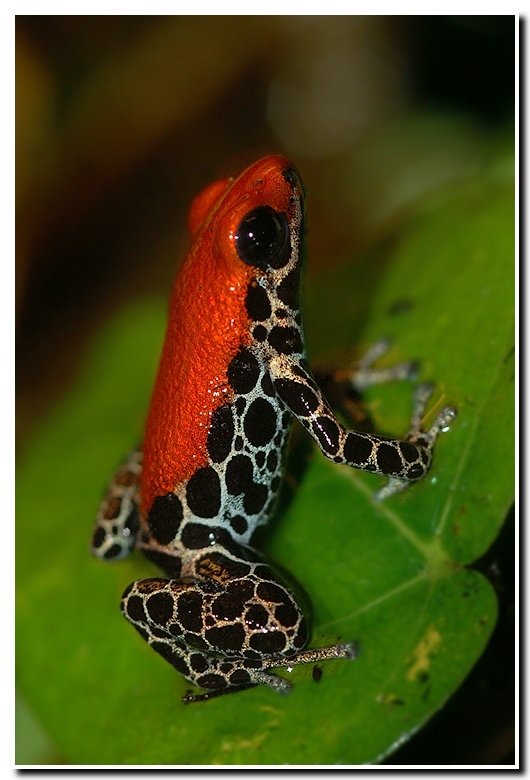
<point>391,576</point>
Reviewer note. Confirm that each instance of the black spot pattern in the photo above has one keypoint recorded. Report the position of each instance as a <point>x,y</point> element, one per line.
<point>260,422</point>
<point>388,459</point>
<point>239,677</point>
<point>198,663</point>
<point>221,434</point>
<point>165,517</point>
<point>267,386</point>
<point>239,524</point>
<point>287,614</point>
<point>272,461</point>
<point>327,433</point>
<point>288,290</point>
<point>409,451</point>
<point>132,523</point>
<point>239,472</point>
<point>213,681</point>
<point>99,536</point>
<point>243,371</point>
<point>255,498</point>
<point>113,551</point>
<point>160,607</point>
<point>270,643</point>
<point>415,472</point>
<point>189,611</point>
<point>135,609</point>
<point>229,637</point>
<point>286,341</point>
<point>203,493</point>
<point>257,303</point>
<point>259,333</point>
<point>256,616</point>
<point>269,591</point>
<point>242,589</point>
<point>226,607</point>
<point>357,449</point>
<point>275,483</point>
<point>196,536</point>
<point>301,399</point>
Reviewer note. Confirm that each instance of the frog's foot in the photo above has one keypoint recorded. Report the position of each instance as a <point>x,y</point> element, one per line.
<point>258,676</point>
<point>426,439</point>
<point>365,375</point>
<point>442,422</point>
<point>343,388</point>
<point>118,518</point>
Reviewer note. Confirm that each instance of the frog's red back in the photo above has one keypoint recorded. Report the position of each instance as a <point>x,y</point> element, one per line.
<point>208,322</point>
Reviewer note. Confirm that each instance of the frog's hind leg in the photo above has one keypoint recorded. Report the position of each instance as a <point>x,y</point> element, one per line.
<point>207,632</point>
<point>118,518</point>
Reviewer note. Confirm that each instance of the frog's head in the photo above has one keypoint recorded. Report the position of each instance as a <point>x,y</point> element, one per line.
<point>254,226</point>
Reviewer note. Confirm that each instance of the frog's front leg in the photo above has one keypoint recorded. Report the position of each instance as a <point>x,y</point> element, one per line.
<point>118,518</point>
<point>224,636</point>
<point>364,374</point>
<point>343,388</point>
<point>403,461</point>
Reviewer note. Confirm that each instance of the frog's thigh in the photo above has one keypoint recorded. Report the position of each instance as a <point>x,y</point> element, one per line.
<point>168,615</point>
<point>178,620</point>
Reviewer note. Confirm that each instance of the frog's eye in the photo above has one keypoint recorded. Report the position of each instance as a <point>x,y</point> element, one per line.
<point>262,238</point>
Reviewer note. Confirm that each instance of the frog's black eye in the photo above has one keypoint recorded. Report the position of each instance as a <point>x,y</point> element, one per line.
<point>263,238</point>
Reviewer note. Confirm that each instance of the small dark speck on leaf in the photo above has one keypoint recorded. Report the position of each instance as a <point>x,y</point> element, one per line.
<point>317,673</point>
<point>400,306</point>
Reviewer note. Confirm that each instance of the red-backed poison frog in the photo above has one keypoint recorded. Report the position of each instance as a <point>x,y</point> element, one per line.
<point>233,373</point>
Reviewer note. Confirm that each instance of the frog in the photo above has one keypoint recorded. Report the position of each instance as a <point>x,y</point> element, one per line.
<point>233,375</point>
